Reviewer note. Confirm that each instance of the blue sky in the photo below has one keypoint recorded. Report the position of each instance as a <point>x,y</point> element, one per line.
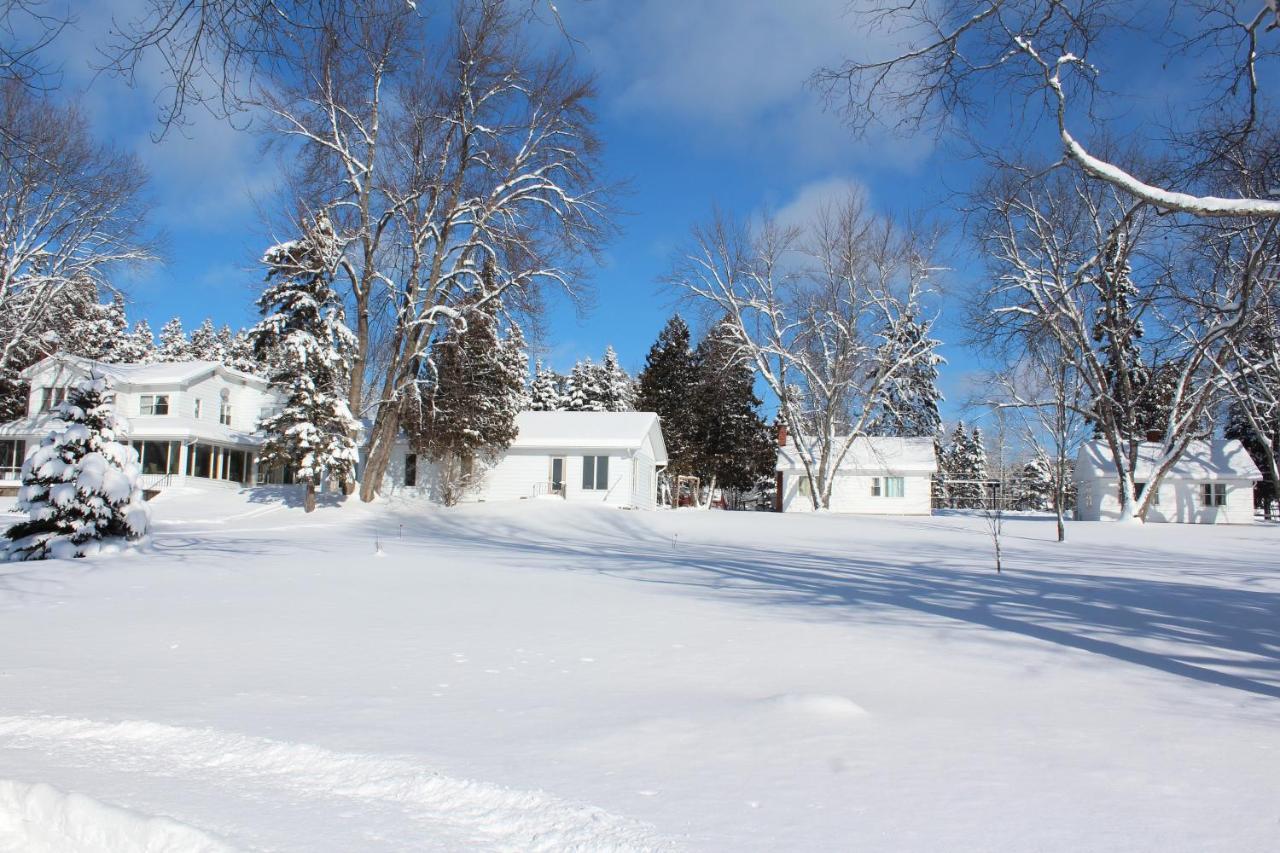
<point>702,102</point>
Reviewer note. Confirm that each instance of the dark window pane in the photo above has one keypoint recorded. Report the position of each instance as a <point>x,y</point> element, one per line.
<point>602,472</point>
<point>588,472</point>
<point>411,469</point>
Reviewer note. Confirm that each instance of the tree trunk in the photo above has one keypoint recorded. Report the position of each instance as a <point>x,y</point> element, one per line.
<point>309,502</point>
<point>1062,528</point>
<point>381,442</point>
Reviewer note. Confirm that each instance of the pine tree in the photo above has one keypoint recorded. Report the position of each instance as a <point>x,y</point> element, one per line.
<point>617,390</point>
<point>174,345</point>
<point>909,405</point>
<point>310,350</point>
<point>667,386</point>
<point>732,445</point>
<point>472,390</point>
<point>583,392</point>
<point>206,345</point>
<point>138,347</point>
<point>99,331</point>
<point>1035,483</point>
<point>80,487</point>
<point>1118,331</point>
<point>546,394</point>
<point>239,353</point>
<point>965,465</point>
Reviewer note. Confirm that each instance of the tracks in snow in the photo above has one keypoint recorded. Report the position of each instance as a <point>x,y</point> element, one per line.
<point>448,812</point>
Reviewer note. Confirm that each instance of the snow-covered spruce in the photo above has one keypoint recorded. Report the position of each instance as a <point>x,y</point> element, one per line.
<point>80,488</point>
<point>546,394</point>
<point>309,348</point>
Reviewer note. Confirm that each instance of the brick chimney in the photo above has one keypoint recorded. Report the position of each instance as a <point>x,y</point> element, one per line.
<point>782,434</point>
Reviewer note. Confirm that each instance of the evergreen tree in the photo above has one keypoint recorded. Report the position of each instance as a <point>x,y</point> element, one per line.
<point>617,390</point>
<point>139,346</point>
<point>174,345</point>
<point>964,466</point>
<point>667,386</point>
<point>206,345</point>
<point>80,487</point>
<point>546,394</point>
<point>909,405</point>
<point>1035,483</point>
<point>239,353</point>
<point>99,331</point>
<point>310,350</point>
<point>472,390</point>
<point>732,445</point>
<point>583,391</point>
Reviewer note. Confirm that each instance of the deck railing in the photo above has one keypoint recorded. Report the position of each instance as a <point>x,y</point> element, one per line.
<point>548,488</point>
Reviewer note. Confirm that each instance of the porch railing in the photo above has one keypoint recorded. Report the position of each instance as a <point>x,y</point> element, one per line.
<point>548,488</point>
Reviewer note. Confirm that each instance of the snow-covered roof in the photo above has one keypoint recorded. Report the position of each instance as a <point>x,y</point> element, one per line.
<point>1203,460</point>
<point>164,373</point>
<point>589,431</point>
<point>873,454</point>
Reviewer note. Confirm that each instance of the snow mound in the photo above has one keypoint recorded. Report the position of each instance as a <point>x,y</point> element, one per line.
<point>817,704</point>
<point>39,818</point>
<point>478,815</point>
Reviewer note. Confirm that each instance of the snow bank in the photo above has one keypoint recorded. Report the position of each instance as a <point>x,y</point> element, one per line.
<point>39,818</point>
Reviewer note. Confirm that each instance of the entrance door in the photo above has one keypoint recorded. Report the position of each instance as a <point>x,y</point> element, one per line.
<point>557,476</point>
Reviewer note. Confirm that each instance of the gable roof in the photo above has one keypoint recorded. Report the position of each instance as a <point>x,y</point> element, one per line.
<point>1203,460</point>
<point>162,373</point>
<point>590,431</point>
<point>874,454</point>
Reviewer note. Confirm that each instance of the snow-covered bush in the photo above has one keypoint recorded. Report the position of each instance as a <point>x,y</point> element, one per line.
<point>80,487</point>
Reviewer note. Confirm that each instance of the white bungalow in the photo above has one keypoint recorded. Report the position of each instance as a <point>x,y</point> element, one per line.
<point>188,420</point>
<point>878,476</point>
<point>1212,483</point>
<point>599,457</point>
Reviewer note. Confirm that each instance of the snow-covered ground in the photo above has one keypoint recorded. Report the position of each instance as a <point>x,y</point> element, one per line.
<point>541,676</point>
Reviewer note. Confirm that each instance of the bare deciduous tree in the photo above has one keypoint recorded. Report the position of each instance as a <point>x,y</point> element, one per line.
<point>70,211</point>
<point>810,310</point>
<point>1048,56</point>
<point>1053,242</point>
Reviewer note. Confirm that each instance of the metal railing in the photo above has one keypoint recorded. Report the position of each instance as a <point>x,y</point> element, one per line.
<point>548,488</point>
<point>155,482</point>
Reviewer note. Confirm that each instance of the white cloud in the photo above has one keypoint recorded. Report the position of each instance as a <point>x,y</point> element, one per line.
<point>208,174</point>
<point>732,72</point>
<point>810,200</point>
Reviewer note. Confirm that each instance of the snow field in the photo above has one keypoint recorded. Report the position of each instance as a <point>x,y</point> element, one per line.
<point>543,676</point>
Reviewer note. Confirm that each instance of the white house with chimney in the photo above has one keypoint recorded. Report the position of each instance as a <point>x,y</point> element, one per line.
<point>194,420</point>
<point>1211,483</point>
<point>880,475</point>
<point>610,458</point>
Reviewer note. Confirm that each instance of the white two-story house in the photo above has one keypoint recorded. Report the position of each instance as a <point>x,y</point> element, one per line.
<point>188,420</point>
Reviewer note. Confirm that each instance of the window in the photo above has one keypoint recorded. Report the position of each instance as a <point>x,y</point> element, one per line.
<point>224,413</point>
<point>196,411</point>
<point>154,404</point>
<point>806,488</point>
<point>12,453</point>
<point>411,469</point>
<point>157,457</point>
<point>595,473</point>
<point>200,461</point>
<point>51,398</point>
<point>237,465</point>
<point>1213,494</point>
<point>887,487</point>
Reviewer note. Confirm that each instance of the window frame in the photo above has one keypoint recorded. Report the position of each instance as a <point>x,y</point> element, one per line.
<point>595,474</point>
<point>1213,495</point>
<point>51,397</point>
<point>158,407</point>
<point>901,487</point>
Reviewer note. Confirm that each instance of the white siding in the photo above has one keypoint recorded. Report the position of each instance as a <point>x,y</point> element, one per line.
<point>1180,500</point>
<point>524,473</point>
<point>851,492</point>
